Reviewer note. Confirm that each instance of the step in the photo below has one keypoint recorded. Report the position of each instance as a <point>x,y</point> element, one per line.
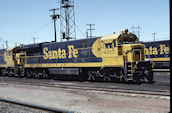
<point>129,70</point>
<point>129,75</point>
<point>131,78</point>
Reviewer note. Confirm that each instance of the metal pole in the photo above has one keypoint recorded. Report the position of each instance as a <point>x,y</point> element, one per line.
<point>54,26</point>
<point>139,32</point>
<point>34,40</point>
<point>6,44</point>
<point>54,17</point>
<point>154,36</point>
<point>87,34</point>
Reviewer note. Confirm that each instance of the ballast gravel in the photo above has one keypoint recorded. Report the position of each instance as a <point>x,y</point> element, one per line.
<point>12,108</point>
<point>83,101</point>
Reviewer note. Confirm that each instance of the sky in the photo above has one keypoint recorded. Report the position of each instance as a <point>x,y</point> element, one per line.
<point>23,20</point>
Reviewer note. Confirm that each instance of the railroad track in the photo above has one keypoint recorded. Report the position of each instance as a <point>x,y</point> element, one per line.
<point>33,106</point>
<point>161,70</point>
<point>92,88</point>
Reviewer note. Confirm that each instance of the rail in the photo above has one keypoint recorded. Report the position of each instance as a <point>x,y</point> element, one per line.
<point>161,70</point>
<point>98,89</point>
<point>49,109</point>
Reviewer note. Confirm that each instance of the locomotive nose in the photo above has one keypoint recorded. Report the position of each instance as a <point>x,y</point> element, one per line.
<point>138,52</point>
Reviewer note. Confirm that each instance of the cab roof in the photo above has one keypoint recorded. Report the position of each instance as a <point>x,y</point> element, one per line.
<point>122,36</point>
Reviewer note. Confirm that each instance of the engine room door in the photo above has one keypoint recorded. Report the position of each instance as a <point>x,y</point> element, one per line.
<point>21,58</point>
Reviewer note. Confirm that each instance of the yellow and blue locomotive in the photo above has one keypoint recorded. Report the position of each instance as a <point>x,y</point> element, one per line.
<point>159,53</point>
<point>112,57</point>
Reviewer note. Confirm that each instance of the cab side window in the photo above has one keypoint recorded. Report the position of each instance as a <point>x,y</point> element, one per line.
<point>109,45</point>
<point>114,43</point>
<point>119,42</point>
<point>106,45</point>
<point>8,53</point>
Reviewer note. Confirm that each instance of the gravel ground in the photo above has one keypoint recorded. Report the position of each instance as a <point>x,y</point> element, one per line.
<point>85,101</point>
<point>12,108</point>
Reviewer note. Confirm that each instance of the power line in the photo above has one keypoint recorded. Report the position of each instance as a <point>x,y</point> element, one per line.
<point>38,30</point>
<point>163,38</point>
<point>80,30</point>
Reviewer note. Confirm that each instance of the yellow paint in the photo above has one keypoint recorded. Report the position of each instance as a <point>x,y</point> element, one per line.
<point>8,57</point>
<point>20,58</point>
<point>160,59</point>
<point>99,64</point>
<point>97,48</point>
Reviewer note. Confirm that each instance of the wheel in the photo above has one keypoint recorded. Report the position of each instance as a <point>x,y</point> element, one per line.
<point>136,77</point>
<point>22,73</point>
<point>121,76</point>
<point>107,78</point>
<point>101,73</point>
<point>28,74</point>
<point>10,73</point>
<point>4,72</point>
<point>91,77</point>
<point>45,75</point>
<point>0,72</point>
<point>149,75</point>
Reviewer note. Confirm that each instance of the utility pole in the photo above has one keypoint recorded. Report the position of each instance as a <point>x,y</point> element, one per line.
<point>6,44</point>
<point>34,40</point>
<point>154,36</point>
<point>54,17</point>
<point>90,29</point>
<point>87,34</point>
<point>138,30</point>
<point>133,27</point>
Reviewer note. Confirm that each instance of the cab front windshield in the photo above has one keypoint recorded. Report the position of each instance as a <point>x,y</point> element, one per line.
<point>126,39</point>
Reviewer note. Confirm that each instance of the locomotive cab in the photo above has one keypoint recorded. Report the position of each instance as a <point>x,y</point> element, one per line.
<point>135,64</point>
<point>130,48</point>
<point>123,52</point>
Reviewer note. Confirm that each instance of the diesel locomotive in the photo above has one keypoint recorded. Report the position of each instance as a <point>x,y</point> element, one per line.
<point>111,57</point>
<point>159,53</point>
